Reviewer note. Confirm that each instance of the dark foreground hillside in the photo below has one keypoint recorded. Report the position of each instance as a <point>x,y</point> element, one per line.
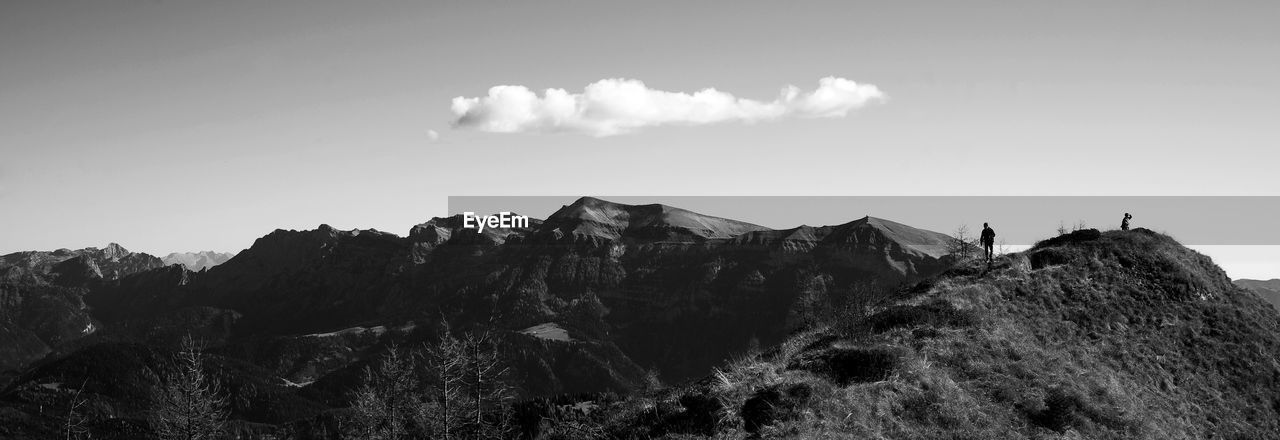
<point>1088,335</point>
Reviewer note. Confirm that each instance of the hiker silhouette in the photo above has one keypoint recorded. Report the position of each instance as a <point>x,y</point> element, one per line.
<point>988,240</point>
<point>1124,224</point>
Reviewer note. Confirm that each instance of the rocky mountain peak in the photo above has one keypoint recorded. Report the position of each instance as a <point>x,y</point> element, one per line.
<point>114,252</point>
<point>598,218</point>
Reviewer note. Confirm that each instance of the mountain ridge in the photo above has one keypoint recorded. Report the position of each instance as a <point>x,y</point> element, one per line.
<point>197,261</point>
<point>1122,334</point>
<point>606,299</point>
<point>593,217</point>
<point>1269,290</point>
<point>110,263</point>
<point>606,289</point>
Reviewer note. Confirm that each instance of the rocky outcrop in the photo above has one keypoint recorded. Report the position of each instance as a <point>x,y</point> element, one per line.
<point>427,236</point>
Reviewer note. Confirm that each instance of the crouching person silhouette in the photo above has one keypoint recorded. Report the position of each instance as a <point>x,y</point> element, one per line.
<point>1124,224</point>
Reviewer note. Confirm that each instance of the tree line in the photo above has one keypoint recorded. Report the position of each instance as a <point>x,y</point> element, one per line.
<point>454,388</point>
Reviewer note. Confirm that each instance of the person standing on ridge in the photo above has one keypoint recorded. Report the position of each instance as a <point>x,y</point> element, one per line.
<point>988,240</point>
<point>1124,224</point>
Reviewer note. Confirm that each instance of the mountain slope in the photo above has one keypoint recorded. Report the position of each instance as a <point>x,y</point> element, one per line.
<point>1087,335</point>
<point>1090,335</point>
<point>601,297</point>
<point>1269,290</point>
<point>589,217</point>
<point>68,267</point>
<point>623,278</point>
<point>42,296</point>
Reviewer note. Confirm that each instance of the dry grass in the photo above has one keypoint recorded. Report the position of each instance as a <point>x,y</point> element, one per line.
<point>1101,336</point>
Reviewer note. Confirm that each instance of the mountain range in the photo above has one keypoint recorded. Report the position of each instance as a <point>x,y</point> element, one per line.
<point>619,279</point>
<point>42,296</point>
<point>197,261</point>
<point>599,298</point>
<point>1269,290</point>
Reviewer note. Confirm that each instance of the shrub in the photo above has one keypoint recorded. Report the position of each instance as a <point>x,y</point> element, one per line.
<point>938,313</point>
<point>850,365</point>
<point>1076,236</point>
<point>774,404</point>
<point>700,415</point>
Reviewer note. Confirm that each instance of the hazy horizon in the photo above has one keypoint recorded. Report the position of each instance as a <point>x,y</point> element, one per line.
<point>1019,221</point>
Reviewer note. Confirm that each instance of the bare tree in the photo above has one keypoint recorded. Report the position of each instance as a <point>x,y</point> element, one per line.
<point>489,390</point>
<point>963,245</point>
<point>388,400</point>
<point>468,394</point>
<point>446,366</point>
<point>188,405</point>
<point>76,420</point>
<point>861,299</point>
<point>1078,226</point>
<point>464,392</point>
<point>652,381</point>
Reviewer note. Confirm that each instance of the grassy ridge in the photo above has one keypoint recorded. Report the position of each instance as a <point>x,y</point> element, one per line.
<point>1087,335</point>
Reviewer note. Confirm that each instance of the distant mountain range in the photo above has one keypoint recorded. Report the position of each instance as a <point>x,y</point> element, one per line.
<point>43,292</point>
<point>68,267</point>
<point>42,296</point>
<point>197,261</point>
<point>1269,290</point>
<point>622,281</point>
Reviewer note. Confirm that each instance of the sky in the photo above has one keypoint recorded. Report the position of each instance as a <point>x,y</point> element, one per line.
<point>194,125</point>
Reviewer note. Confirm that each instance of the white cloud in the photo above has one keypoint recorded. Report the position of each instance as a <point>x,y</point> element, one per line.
<point>432,136</point>
<point>616,106</point>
